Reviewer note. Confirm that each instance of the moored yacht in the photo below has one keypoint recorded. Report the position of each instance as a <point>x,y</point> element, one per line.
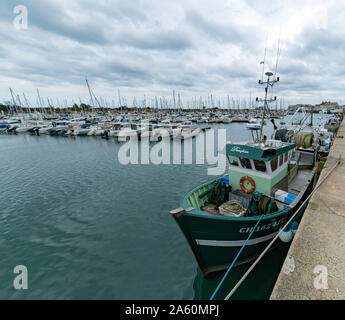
<point>253,124</point>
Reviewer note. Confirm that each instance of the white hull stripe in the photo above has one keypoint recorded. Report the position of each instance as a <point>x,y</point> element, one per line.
<point>236,243</point>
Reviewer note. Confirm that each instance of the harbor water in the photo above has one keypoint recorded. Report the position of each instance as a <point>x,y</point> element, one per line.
<point>88,227</point>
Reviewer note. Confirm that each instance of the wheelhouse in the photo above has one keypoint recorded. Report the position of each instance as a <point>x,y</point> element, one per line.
<point>267,166</point>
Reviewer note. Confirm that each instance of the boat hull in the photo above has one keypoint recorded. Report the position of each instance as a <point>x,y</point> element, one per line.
<point>216,239</point>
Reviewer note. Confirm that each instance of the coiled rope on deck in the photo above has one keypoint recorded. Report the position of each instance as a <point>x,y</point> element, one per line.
<point>233,206</point>
<point>281,230</point>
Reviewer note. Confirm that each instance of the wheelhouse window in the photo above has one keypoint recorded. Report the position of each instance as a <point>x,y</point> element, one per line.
<point>233,161</point>
<point>274,164</point>
<point>245,163</point>
<point>260,165</point>
<point>286,154</point>
<point>280,160</point>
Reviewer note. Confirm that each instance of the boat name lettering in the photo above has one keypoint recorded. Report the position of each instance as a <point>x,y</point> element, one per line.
<point>237,149</point>
<point>263,227</point>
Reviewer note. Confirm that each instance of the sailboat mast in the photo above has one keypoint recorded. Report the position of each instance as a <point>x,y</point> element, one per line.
<point>88,86</point>
<point>39,100</point>
<point>13,101</point>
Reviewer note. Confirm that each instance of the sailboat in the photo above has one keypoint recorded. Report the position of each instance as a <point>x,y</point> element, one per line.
<point>267,180</point>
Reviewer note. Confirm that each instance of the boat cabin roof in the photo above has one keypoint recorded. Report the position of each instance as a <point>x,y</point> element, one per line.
<point>259,151</point>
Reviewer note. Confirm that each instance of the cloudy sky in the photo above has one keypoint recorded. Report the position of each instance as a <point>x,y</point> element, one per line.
<point>152,47</point>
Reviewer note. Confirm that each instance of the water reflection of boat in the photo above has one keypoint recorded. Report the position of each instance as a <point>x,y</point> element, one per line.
<point>258,286</point>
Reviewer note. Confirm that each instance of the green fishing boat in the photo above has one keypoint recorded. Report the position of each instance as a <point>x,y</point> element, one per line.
<point>266,177</point>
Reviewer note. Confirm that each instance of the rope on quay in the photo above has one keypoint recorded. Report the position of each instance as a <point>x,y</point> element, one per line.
<point>281,230</point>
<point>233,262</point>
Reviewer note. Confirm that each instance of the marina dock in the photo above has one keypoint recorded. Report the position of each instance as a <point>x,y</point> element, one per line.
<point>315,265</point>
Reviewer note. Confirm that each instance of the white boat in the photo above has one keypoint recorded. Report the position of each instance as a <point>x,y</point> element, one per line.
<point>45,129</point>
<point>187,123</point>
<point>125,132</point>
<point>253,124</point>
<point>326,141</point>
<point>22,129</point>
<point>81,132</point>
<point>226,120</point>
<point>161,132</point>
<point>95,131</point>
<point>177,133</point>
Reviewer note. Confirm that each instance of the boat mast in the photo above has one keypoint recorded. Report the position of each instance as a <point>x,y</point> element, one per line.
<point>13,101</point>
<point>119,97</point>
<point>27,103</point>
<point>268,83</point>
<point>88,86</point>
<point>39,100</point>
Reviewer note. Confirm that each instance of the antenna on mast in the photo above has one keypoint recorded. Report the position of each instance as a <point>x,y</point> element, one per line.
<point>277,59</point>
<point>278,55</point>
<point>263,61</point>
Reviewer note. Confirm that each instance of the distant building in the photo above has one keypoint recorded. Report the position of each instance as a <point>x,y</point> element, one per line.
<point>323,106</point>
<point>327,105</point>
<point>293,108</point>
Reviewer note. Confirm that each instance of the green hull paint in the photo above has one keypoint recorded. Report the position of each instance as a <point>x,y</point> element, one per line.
<point>197,225</point>
<point>230,231</point>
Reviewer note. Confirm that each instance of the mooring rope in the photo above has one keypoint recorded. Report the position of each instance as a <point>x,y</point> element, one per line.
<point>233,262</point>
<point>281,230</point>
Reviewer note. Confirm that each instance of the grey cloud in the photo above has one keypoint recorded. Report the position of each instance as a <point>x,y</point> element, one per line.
<point>223,31</point>
<point>157,39</point>
<point>155,47</point>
